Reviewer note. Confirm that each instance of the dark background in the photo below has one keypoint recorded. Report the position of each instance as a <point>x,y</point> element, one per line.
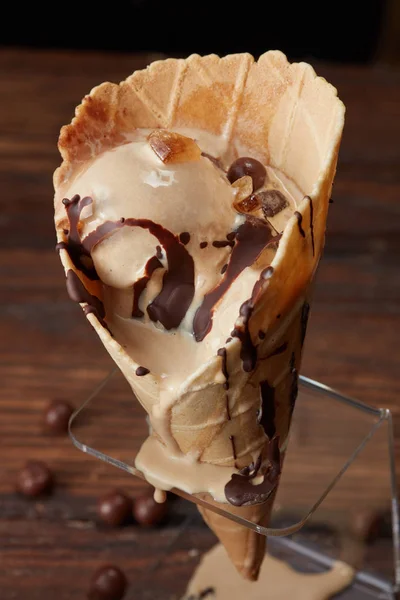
<point>341,30</point>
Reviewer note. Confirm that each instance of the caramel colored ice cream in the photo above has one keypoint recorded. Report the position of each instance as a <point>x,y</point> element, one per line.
<point>190,219</point>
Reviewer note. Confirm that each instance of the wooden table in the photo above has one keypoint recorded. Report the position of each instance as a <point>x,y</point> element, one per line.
<point>49,549</point>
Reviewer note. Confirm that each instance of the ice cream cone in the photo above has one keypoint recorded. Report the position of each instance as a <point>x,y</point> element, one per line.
<point>222,416</point>
<point>245,547</point>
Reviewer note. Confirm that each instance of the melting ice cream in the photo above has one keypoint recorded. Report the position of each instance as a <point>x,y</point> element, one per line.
<point>190,238</point>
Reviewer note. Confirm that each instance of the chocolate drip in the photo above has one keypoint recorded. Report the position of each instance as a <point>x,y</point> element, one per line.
<point>312,225</point>
<point>251,239</point>
<point>240,491</point>
<point>171,304</point>
<point>78,255</point>
<point>217,162</point>
<point>223,243</point>
<point>294,386</point>
<point>203,245</point>
<point>299,218</point>
<point>224,268</point>
<point>223,354</point>
<point>248,352</point>
<point>78,293</point>
<point>159,253</point>
<point>184,238</point>
<point>232,439</point>
<point>140,285</point>
<point>266,417</point>
<point>141,371</point>
<point>279,350</point>
<point>305,313</point>
<point>209,591</point>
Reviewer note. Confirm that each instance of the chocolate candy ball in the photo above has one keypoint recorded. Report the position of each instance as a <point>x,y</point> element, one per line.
<point>114,508</point>
<point>248,166</point>
<point>108,583</point>
<point>34,479</point>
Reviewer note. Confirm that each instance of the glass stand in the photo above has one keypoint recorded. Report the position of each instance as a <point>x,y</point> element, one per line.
<point>340,459</point>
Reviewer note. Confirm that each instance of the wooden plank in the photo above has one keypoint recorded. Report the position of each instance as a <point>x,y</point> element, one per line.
<point>49,548</point>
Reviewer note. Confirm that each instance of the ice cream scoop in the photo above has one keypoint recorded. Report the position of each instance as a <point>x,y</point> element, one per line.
<point>190,212</point>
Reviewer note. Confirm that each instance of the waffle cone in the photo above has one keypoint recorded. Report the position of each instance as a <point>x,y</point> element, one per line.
<point>290,119</point>
<point>245,547</point>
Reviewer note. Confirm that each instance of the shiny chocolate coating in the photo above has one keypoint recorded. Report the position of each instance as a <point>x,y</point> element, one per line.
<point>34,479</point>
<point>248,166</point>
<point>108,583</point>
<point>114,508</point>
<point>57,416</point>
<point>147,512</point>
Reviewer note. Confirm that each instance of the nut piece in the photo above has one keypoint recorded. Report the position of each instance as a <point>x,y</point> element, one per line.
<point>245,201</point>
<point>244,187</point>
<point>248,204</point>
<point>172,147</point>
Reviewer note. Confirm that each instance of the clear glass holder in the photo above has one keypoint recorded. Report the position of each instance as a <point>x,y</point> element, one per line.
<point>333,442</point>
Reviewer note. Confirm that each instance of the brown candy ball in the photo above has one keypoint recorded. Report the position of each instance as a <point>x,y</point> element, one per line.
<point>57,415</point>
<point>34,479</point>
<point>108,583</point>
<point>114,508</point>
<point>248,166</point>
<point>147,512</point>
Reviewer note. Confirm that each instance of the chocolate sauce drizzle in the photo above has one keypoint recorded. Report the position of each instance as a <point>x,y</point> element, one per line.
<point>294,386</point>
<point>171,304</point>
<point>80,258</point>
<point>266,416</point>
<point>78,293</point>
<point>223,354</point>
<point>159,253</point>
<point>232,440</point>
<point>251,239</point>
<point>305,313</point>
<point>248,351</point>
<point>184,238</point>
<point>140,285</point>
<point>299,218</point>
<point>223,243</point>
<point>217,162</point>
<point>312,225</point>
<point>141,371</point>
<point>203,245</point>
<point>209,591</point>
<point>240,491</point>
<point>279,350</point>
